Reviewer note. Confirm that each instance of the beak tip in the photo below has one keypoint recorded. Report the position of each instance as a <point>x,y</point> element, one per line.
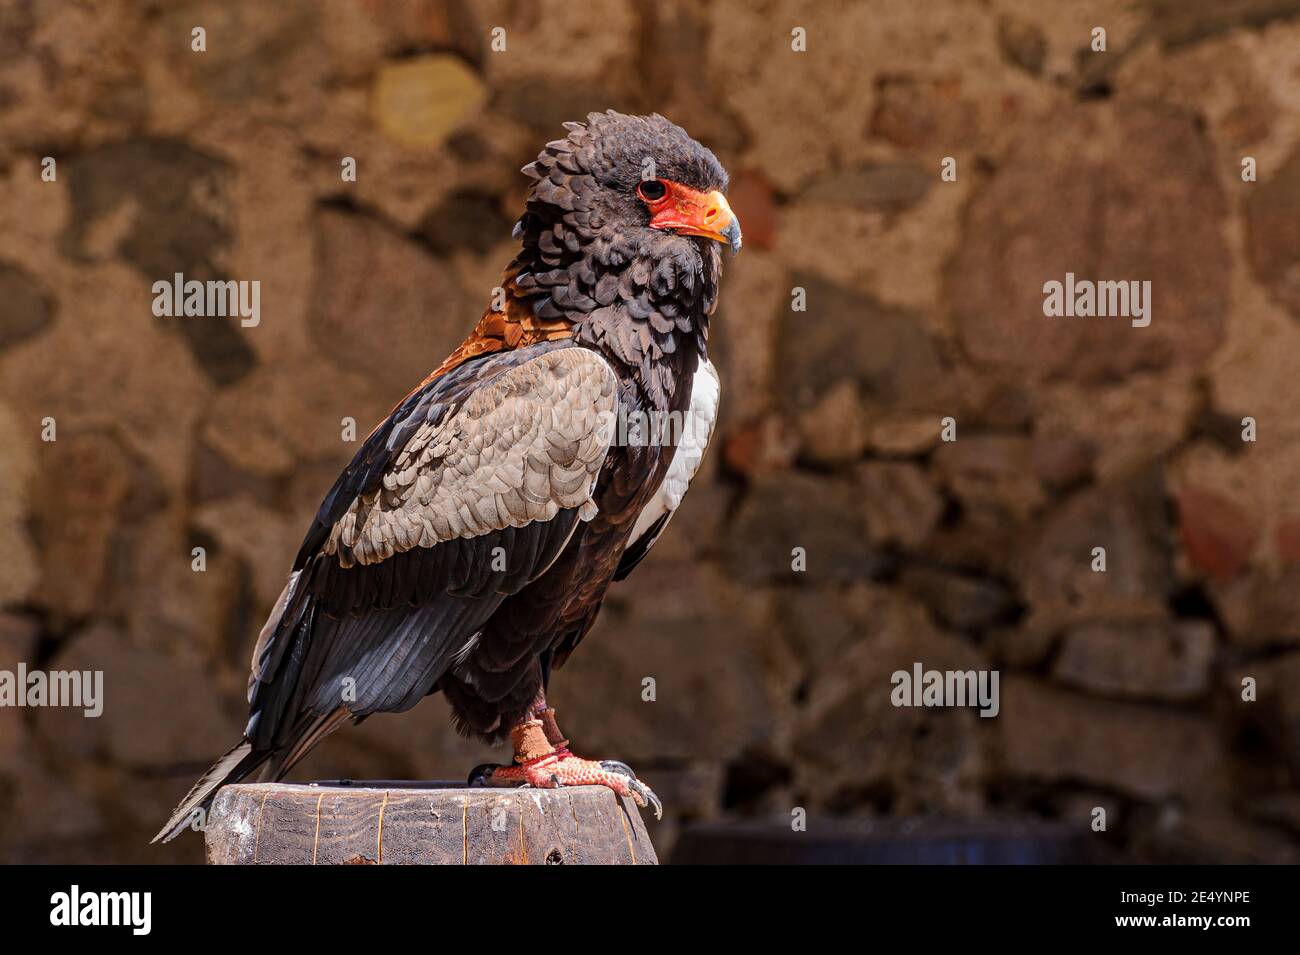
<point>733,236</point>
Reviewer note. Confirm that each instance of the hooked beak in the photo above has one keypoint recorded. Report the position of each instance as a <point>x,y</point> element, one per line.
<point>696,213</point>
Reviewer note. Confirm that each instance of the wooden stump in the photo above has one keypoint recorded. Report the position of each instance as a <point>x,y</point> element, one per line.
<point>432,823</point>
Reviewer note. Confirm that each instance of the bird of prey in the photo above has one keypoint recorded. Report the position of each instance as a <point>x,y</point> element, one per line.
<point>468,546</point>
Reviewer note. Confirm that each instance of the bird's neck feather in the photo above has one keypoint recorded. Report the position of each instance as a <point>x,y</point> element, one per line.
<point>645,308</point>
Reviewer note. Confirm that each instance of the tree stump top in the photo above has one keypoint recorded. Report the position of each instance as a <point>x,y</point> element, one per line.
<point>423,823</point>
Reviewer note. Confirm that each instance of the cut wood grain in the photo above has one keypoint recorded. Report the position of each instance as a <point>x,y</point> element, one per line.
<point>398,823</point>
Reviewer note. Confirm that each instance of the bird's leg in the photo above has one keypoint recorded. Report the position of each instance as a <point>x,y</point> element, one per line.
<point>543,760</point>
<point>552,730</point>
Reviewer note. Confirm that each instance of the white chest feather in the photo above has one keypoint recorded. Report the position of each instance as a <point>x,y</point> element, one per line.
<point>697,428</point>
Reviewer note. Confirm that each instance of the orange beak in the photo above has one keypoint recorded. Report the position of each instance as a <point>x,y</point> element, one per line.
<point>690,212</point>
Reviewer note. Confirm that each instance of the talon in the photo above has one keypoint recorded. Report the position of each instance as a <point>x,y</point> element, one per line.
<point>641,794</point>
<point>647,796</point>
<point>547,763</point>
<point>616,766</point>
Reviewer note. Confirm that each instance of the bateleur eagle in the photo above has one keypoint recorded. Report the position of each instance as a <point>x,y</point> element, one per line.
<point>468,546</point>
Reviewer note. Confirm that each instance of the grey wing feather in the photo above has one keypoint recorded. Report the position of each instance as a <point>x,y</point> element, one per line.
<point>407,574</point>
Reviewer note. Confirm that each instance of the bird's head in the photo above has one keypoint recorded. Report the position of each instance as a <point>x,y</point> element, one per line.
<point>635,173</point>
<point>620,196</point>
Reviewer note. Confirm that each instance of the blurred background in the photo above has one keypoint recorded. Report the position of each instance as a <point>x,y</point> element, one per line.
<point>1120,690</point>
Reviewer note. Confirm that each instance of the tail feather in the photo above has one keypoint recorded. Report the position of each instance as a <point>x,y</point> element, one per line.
<point>311,733</point>
<point>230,768</point>
<point>243,760</point>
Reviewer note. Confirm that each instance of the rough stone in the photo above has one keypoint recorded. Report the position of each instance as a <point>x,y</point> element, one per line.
<point>834,431</point>
<point>915,113</point>
<point>419,102</point>
<point>1090,164</point>
<point>1061,461</point>
<point>1206,834</point>
<point>1160,662</point>
<point>782,512</point>
<point>1177,23</point>
<point>1279,809</point>
<point>1024,647</point>
<point>736,683</point>
<point>822,622</point>
<point>1260,610</point>
<point>753,200</point>
<point>1274,232</point>
<point>995,469</point>
<point>759,88</point>
<point>848,335</point>
<point>252,57</point>
<point>1148,752</point>
<point>1287,540</point>
<point>905,435</point>
<point>415,24</point>
<point>164,207</point>
<point>743,335</point>
<point>18,636</point>
<point>1128,519</point>
<point>265,539</point>
<point>109,377</point>
<point>891,186</point>
<point>157,710</point>
<point>87,480</point>
<point>18,642</point>
<point>25,307</point>
<point>1022,43</point>
<point>209,618</point>
<point>761,446</point>
<point>853,743</point>
<point>545,103</point>
<point>1217,535</point>
<point>1274,714</point>
<point>17,468</point>
<point>1126,425</point>
<point>468,220</point>
<point>900,501</point>
<point>61,813</point>
<point>374,287</point>
<point>958,600</point>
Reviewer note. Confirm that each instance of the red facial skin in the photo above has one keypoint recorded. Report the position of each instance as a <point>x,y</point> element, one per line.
<point>690,212</point>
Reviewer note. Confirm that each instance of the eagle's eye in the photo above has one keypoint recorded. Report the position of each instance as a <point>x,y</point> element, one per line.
<point>651,190</point>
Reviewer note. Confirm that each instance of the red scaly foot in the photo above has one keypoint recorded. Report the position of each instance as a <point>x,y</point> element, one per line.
<point>561,768</point>
<point>543,760</point>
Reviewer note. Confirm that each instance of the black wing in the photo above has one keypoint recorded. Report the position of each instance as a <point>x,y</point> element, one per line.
<point>469,491</point>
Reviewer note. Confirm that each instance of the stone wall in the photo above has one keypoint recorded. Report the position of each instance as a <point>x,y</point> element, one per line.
<point>1121,690</point>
